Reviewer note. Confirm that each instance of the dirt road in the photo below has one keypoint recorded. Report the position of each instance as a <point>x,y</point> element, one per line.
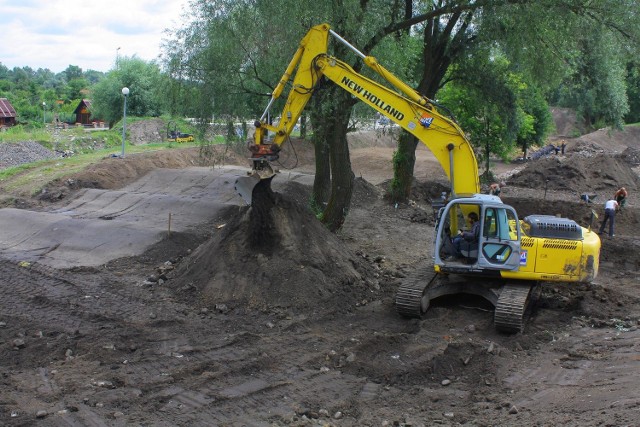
<point>199,330</point>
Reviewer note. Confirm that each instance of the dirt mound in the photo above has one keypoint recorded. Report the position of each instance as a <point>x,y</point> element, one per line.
<point>577,173</point>
<point>566,121</point>
<point>114,172</point>
<point>146,131</point>
<point>632,156</point>
<point>609,140</point>
<point>302,267</point>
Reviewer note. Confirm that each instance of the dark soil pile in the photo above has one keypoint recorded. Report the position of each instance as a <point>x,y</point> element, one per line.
<point>303,266</point>
<point>578,173</point>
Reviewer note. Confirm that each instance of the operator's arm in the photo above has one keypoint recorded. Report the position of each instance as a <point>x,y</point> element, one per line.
<point>472,235</point>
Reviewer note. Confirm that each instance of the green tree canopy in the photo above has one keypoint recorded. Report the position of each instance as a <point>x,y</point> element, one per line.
<point>144,81</point>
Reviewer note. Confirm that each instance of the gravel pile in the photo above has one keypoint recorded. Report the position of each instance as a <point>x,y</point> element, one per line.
<point>14,154</point>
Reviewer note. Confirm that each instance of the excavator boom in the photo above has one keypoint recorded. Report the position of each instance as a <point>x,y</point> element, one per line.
<point>400,103</point>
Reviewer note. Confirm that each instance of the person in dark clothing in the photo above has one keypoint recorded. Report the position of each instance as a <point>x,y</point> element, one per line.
<point>621,197</point>
<point>469,236</point>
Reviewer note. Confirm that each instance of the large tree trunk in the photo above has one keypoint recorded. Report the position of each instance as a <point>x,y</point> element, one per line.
<point>404,160</point>
<point>341,173</point>
<point>322,179</point>
<point>321,136</point>
<point>441,43</point>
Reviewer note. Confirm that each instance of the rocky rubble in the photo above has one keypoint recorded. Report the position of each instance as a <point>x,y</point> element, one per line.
<point>14,154</point>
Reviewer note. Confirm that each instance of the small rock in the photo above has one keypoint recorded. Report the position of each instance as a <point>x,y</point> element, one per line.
<point>41,414</point>
<point>351,357</point>
<point>323,413</point>
<point>3,324</point>
<point>270,325</point>
<point>491,348</point>
<point>153,278</point>
<point>152,315</point>
<point>448,414</point>
<point>445,382</point>
<point>513,410</point>
<point>470,328</point>
<point>222,308</point>
<point>337,415</point>
<point>18,343</point>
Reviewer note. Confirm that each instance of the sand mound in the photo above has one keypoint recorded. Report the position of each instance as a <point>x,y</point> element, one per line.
<point>301,266</point>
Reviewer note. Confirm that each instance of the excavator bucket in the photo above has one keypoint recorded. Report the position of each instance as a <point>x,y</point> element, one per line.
<point>244,187</point>
<point>248,186</point>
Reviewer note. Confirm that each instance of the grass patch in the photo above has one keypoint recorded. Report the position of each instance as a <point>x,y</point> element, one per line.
<point>19,133</point>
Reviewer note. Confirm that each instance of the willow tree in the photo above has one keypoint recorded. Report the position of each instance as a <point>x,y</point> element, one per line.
<point>235,51</point>
<point>541,38</point>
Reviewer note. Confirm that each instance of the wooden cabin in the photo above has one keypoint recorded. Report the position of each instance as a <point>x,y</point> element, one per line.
<point>83,112</point>
<point>7,113</point>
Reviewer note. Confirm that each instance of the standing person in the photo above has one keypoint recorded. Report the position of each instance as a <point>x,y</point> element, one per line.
<point>563,146</point>
<point>610,208</point>
<point>496,188</point>
<point>621,197</point>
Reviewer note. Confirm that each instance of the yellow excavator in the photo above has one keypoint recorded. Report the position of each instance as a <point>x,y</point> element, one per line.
<point>502,260</point>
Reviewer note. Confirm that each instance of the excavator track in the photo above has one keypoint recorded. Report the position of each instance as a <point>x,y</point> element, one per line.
<point>510,300</point>
<point>511,307</point>
<point>412,299</point>
<point>416,292</point>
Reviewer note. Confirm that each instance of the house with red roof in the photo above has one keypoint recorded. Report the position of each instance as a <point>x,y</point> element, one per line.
<point>7,113</point>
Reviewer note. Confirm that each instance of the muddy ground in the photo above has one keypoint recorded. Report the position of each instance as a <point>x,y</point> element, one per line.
<point>206,328</point>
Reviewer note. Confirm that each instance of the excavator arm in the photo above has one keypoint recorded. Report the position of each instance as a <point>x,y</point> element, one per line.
<point>401,104</point>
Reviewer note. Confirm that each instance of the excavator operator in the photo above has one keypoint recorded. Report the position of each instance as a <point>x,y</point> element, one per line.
<point>470,236</point>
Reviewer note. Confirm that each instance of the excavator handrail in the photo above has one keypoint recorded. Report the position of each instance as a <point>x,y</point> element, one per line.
<point>406,107</point>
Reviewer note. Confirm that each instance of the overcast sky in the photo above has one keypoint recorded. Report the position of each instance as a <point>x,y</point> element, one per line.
<point>57,33</point>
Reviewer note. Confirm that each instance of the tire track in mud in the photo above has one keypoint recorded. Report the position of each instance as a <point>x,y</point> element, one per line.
<point>63,301</point>
<point>221,379</point>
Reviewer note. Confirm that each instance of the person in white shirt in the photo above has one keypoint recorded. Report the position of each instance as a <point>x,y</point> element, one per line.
<point>610,208</point>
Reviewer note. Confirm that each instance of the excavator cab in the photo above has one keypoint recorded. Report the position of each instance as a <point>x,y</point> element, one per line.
<point>492,244</point>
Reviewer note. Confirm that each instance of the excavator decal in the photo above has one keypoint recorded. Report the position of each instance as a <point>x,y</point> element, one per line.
<point>372,98</point>
<point>426,120</point>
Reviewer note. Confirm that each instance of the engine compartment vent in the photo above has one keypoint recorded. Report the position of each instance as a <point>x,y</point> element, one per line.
<point>549,226</point>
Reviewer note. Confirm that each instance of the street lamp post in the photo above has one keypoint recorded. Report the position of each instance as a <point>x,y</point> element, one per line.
<point>44,109</point>
<point>125,92</point>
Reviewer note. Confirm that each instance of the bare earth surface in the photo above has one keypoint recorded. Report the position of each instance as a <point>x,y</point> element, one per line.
<point>134,296</point>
